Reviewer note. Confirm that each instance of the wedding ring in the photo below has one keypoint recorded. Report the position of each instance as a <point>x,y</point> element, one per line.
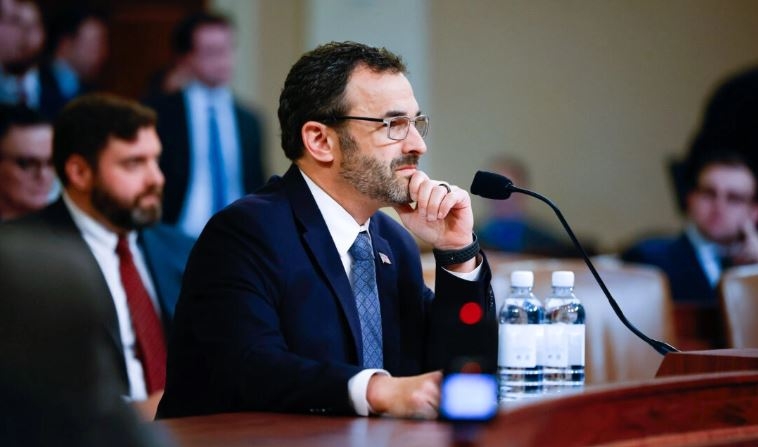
<point>446,186</point>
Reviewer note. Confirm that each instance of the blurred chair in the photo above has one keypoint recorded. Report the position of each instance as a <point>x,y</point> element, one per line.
<point>738,294</point>
<point>613,352</point>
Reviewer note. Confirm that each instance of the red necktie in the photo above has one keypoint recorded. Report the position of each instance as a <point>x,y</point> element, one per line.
<point>151,344</point>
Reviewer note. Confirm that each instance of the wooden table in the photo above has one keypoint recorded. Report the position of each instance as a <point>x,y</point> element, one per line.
<point>694,410</point>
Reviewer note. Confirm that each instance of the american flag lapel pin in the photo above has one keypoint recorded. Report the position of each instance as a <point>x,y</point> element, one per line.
<point>384,258</point>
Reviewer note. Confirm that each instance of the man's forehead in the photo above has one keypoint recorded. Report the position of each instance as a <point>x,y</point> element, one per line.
<point>727,177</point>
<point>386,90</point>
<point>28,131</point>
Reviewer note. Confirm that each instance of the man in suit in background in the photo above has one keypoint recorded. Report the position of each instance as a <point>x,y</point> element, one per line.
<point>303,297</point>
<point>212,143</point>
<point>722,214</point>
<point>19,78</point>
<point>508,226</point>
<point>106,151</point>
<point>78,49</point>
<point>26,161</point>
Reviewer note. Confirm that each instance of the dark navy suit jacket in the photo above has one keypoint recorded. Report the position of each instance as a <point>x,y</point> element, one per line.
<point>165,251</point>
<point>677,258</point>
<point>267,319</point>
<point>173,130</point>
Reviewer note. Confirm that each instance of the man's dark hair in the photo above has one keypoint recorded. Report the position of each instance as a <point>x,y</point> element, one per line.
<point>66,23</point>
<point>18,116</point>
<point>86,124</point>
<point>315,86</point>
<point>182,40</point>
<point>721,157</point>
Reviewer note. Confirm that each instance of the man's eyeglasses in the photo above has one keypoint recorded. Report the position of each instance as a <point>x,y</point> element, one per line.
<point>730,197</point>
<point>30,164</point>
<point>397,126</point>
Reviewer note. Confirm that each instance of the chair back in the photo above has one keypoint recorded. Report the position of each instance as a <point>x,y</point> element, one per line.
<point>612,352</point>
<point>738,295</point>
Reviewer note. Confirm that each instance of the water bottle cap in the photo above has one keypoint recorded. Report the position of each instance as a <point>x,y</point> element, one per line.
<point>563,279</point>
<point>522,278</point>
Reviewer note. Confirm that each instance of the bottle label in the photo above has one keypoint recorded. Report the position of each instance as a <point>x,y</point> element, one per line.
<point>556,352</point>
<point>518,345</point>
<point>575,337</point>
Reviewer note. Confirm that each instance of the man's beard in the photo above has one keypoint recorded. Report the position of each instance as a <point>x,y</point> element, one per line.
<point>372,178</point>
<point>127,216</point>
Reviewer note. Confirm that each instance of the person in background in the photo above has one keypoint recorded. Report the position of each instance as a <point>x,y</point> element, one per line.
<point>19,80</point>
<point>303,296</point>
<point>26,161</point>
<point>106,151</point>
<point>213,144</point>
<point>10,32</point>
<point>509,229</point>
<point>727,123</point>
<point>175,75</point>
<point>78,49</point>
<point>721,212</point>
<point>721,229</point>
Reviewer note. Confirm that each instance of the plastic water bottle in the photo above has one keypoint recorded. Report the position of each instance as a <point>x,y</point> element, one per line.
<point>564,336</point>
<point>520,337</point>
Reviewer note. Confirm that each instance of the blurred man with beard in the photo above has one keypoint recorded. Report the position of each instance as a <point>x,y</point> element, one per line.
<point>105,152</point>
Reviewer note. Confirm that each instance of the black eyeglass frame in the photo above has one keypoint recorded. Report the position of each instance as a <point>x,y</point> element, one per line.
<point>29,164</point>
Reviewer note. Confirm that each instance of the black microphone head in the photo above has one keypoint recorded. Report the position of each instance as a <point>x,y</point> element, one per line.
<point>491,186</point>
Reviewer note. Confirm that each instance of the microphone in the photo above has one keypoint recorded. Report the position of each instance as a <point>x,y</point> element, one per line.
<point>499,187</point>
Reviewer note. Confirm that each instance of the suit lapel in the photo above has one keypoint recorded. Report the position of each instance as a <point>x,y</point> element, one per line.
<point>323,252</point>
<point>63,225</point>
<point>152,247</point>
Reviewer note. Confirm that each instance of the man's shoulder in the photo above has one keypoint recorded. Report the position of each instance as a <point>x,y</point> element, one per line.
<point>245,108</point>
<point>53,215</point>
<point>654,250</point>
<point>168,233</point>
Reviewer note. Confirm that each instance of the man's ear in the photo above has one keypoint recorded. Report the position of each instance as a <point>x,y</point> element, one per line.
<point>319,141</point>
<point>79,172</point>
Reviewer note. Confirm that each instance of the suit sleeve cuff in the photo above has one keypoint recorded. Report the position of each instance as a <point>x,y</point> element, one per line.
<point>357,387</point>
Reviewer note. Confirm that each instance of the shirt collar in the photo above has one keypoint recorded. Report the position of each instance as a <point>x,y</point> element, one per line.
<point>211,95</point>
<point>702,244</point>
<point>93,229</point>
<point>341,225</point>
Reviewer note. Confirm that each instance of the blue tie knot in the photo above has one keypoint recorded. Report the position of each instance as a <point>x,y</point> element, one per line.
<point>361,248</point>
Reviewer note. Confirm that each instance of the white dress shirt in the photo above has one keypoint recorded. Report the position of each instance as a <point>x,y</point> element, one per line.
<point>66,78</point>
<point>198,202</point>
<point>343,229</point>
<point>13,88</point>
<point>708,254</point>
<point>102,243</point>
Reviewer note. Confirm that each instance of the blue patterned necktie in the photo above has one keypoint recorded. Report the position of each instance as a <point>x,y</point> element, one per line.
<point>363,278</point>
<point>216,162</point>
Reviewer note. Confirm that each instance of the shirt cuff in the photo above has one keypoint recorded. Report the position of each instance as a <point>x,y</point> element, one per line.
<point>473,275</point>
<point>357,388</point>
